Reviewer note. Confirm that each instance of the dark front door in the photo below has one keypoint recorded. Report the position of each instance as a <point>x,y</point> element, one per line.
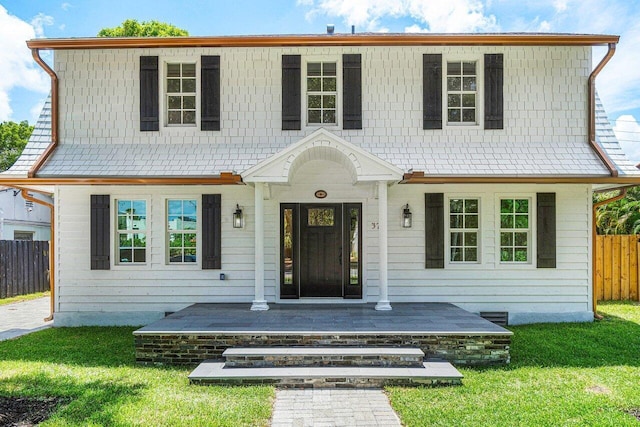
<point>321,250</point>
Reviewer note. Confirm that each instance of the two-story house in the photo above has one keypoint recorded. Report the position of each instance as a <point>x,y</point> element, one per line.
<point>325,168</point>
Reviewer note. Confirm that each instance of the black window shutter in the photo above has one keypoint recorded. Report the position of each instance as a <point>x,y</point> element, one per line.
<point>434,229</point>
<point>546,223</point>
<point>432,91</point>
<point>493,82</point>
<point>291,92</point>
<point>352,91</point>
<point>149,101</point>
<point>210,93</point>
<point>100,232</point>
<point>211,228</point>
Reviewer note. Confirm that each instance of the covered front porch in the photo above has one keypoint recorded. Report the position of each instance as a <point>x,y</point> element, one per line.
<point>441,330</point>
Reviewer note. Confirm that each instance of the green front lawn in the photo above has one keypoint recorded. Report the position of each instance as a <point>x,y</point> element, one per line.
<point>94,368</point>
<point>560,375</point>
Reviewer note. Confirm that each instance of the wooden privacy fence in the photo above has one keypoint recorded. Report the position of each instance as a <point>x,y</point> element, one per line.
<point>616,268</point>
<point>24,267</point>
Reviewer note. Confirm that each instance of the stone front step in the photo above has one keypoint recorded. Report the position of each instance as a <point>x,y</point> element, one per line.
<point>431,373</point>
<point>265,357</point>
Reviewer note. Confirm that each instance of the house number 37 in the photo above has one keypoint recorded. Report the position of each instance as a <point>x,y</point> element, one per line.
<point>375,225</point>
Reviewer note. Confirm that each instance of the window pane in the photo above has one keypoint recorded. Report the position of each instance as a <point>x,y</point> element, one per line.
<point>190,255</point>
<point>189,85</point>
<point>189,117</point>
<point>329,68</point>
<point>329,85</point>
<point>520,239</point>
<point>456,205</point>
<point>188,70</point>
<point>470,254</point>
<point>173,70</point>
<point>506,206</point>
<point>522,206</point>
<point>329,101</point>
<point>520,255</point>
<point>315,101</point>
<point>506,221</point>
<point>126,241</point>
<point>469,84</point>
<point>456,239</point>
<point>471,221</point>
<point>522,221</point>
<point>469,100</point>
<point>174,206</point>
<point>140,207</point>
<point>454,100</point>
<point>139,255</point>
<point>471,206</point>
<point>328,116</point>
<point>175,117</point>
<point>506,254</point>
<point>188,223</point>
<point>469,116</point>
<point>456,254</point>
<point>175,102</point>
<point>189,207</point>
<point>124,206</point>
<point>125,255</point>
<point>454,115</point>
<point>314,69</point>
<point>468,68</point>
<point>506,239</point>
<point>320,217</point>
<point>288,246</point>
<point>354,256</point>
<point>189,240</point>
<point>453,68</point>
<point>189,102</point>
<point>173,85</point>
<point>456,221</point>
<point>315,116</point>
<point>175,255</point>
<point>454,83</point>
<point>471,239</point>
<point>314,84</point>
<point>123,223</point>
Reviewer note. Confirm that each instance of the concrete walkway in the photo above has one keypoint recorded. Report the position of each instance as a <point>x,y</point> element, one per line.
<point>333,407</point>
<point>22,318</point>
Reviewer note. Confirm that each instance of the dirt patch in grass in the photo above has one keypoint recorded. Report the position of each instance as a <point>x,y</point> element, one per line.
<point>25,412</point>
<point>635,412</point>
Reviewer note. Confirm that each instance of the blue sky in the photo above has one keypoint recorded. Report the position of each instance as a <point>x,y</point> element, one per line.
<point>24,86</point>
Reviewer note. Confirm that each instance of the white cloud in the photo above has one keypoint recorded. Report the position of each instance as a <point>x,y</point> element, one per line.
<point>453,16</point>
<point>17,67</point>
<point>65,6</point>
<point>627,130</point>
<point>39,22</point>
<point>560,5</point>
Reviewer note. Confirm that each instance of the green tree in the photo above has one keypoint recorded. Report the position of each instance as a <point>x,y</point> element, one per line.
<point>620,217</point>
<point>133,28</point>
<point>13,138</point>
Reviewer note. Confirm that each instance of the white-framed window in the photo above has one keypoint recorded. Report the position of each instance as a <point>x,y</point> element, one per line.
<point>515,229</point>
<point>321,84</point>
<point>131,231</point>
<point>462,98</point>
<point>23,235</point>
<point>180,93</point>
<point>464,230</point>
<point>182,231</point>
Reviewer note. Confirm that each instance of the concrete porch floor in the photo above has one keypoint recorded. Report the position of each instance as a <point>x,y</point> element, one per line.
<point>405,318</point>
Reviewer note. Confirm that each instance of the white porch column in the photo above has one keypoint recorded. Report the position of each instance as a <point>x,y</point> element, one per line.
<point>259,303</point>
<point>383,303</point>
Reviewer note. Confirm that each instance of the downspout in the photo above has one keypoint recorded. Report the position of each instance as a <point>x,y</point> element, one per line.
<point>592,112</point>
<point>54,114</point>
<point>594,233</point>
<point>52,282</point>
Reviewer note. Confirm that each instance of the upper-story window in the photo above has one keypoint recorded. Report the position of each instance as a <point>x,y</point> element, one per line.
<point>322,83</point>
<point>181,94</point>
<point>461,92</point>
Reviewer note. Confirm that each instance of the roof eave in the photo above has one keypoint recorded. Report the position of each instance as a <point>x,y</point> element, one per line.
<point>369,39</point>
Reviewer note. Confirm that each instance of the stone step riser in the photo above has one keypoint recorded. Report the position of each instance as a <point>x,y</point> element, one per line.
<point>316,360</point>
<point>303,382</point>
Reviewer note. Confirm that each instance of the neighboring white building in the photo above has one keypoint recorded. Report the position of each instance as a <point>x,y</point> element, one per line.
<point>325,145</point>
<point>21,219</point>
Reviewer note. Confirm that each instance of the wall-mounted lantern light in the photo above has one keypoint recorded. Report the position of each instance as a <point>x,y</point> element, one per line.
<point>238,220</point>
<point>406,217</point>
